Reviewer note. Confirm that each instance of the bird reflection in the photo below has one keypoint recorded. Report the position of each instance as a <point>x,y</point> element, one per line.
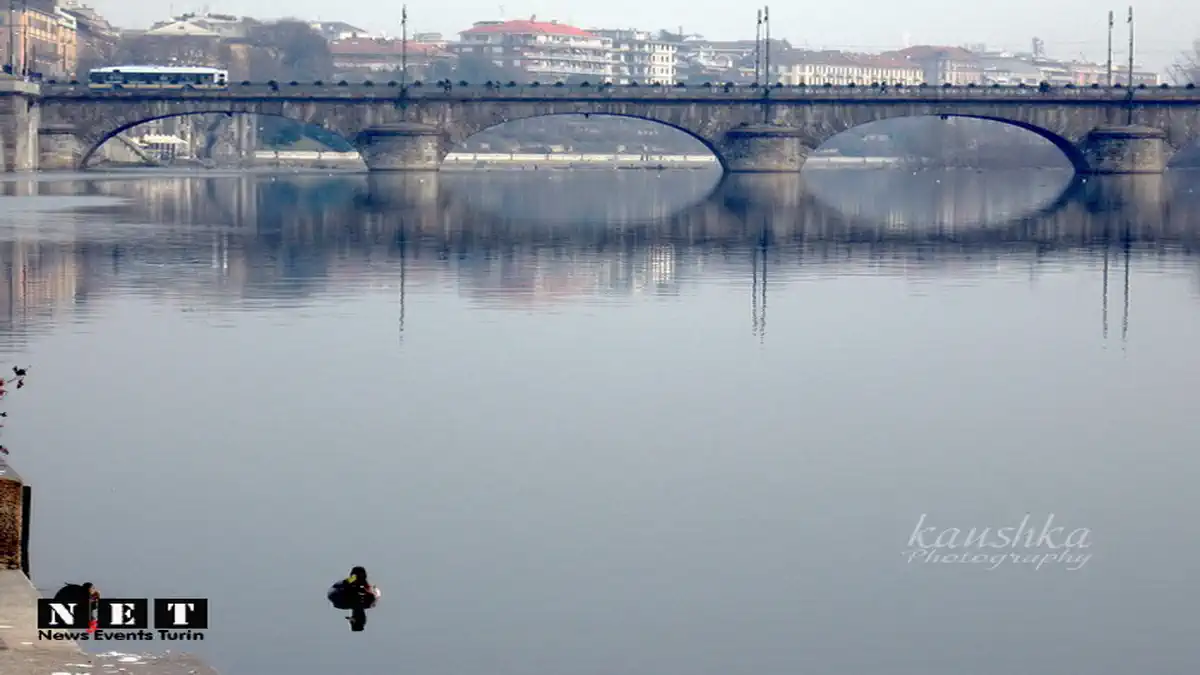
<point>356,594</point>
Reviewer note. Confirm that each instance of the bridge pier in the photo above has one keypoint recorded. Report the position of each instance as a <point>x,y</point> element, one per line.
<point>404,146</point>
<point>1125,150</point>
<point>20,118</point>
<point>764,148</point>
<point>58,148</point>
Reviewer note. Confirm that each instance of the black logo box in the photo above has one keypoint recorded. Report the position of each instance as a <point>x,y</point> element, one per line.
<point>124,614</point>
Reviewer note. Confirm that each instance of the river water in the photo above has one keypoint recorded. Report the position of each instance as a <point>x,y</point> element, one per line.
<point>610,422</point>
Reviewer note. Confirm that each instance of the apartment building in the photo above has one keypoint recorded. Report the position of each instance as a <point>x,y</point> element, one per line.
<point>39,37</point>
<point>802,67</point>
<point>548,51</point>
<point>1140,77</point>
<point>95,37</point>
<point>942,65</point>
<point>718,56</point>
<point>374,57</point>
<point>639,56</point>
<point>1007,70</point>
<point>338,30</point>
<point>226,26</point>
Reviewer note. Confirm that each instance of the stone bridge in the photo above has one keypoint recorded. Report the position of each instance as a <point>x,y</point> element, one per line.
<point>748,129</point>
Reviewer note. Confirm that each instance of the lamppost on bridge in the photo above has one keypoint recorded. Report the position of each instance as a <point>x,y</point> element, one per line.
<point>1108,69</point>
<point>758,48</point>
<point>1129,94</point>
<point>404,48</point>
<point>766,17</point>
<point>12,37</point>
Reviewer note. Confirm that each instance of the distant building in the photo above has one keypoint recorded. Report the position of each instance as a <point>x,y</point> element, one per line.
<point>96,39</point>
<point>338,30</point>
<point>797,67</point>
<point>429,38</point>
<point>638,56</point>
<point>377,56</point>
<point>202,25</point>
<point>943,65</point>
<point>718,55</point>
<point>1033,68</point>
<point>545,50</point>
<point>725,61</point>
<point>1007,70</point>
<point>43,39</point>
<point>181,29</point>
<point>1140,77</point>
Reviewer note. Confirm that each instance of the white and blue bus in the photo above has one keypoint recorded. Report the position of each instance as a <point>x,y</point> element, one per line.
<point>158,77</point>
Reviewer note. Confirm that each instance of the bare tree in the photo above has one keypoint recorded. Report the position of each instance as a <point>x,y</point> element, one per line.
<point>298,52</point>
<point>18,381</point>
<point>1187,69</point>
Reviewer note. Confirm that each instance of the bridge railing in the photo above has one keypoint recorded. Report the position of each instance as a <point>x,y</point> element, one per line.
<point>459,91</point>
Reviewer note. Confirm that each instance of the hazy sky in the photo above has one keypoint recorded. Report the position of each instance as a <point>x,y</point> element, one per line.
<point>1070,28</point>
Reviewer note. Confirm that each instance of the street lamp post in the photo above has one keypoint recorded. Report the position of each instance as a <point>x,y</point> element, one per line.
<point>1110,52</point>
<point>767,47</point>
<point>403,48</point>
<point>758,48</point>
<point>12,37</point>
<point>1129,94</point>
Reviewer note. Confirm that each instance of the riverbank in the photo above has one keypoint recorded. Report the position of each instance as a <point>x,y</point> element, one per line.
<point>21,652</point>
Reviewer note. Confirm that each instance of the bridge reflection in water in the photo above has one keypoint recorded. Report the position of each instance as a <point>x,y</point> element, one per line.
<point>522,238</point>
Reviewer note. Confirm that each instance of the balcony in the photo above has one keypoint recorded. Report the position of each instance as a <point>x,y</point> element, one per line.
<point>535,68</point>
<point>575,58</point>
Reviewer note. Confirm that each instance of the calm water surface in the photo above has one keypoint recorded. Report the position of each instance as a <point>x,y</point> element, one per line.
<point>607,423</point>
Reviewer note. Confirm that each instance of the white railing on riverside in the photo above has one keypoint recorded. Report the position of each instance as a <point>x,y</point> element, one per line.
<point>568,157</point>
<point>300,155</point>
<point>577,157</point>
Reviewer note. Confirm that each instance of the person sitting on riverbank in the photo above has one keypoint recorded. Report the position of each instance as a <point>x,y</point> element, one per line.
<point>83,595</point>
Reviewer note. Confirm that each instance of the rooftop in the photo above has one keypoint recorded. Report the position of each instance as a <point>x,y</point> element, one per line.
<point>922,52</point>
<point>530,27</point>
<point>838,58</point>
<point>181,28</point>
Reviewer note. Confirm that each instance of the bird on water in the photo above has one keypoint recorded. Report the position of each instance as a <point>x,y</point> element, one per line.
<point>354,593</point>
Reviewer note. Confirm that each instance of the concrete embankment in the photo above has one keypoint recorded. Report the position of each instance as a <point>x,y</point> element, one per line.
<point>21,650</point>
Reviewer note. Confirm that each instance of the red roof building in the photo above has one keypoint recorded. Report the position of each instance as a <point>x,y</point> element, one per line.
<point>545,50</point>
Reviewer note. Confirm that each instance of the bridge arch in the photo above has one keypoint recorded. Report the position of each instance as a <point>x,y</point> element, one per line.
<point>461,134</point>
<point>94,139</point>
<point>1069,147</point>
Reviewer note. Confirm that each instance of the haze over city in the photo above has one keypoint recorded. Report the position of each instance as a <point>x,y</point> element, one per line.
<point>1070,28</point>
